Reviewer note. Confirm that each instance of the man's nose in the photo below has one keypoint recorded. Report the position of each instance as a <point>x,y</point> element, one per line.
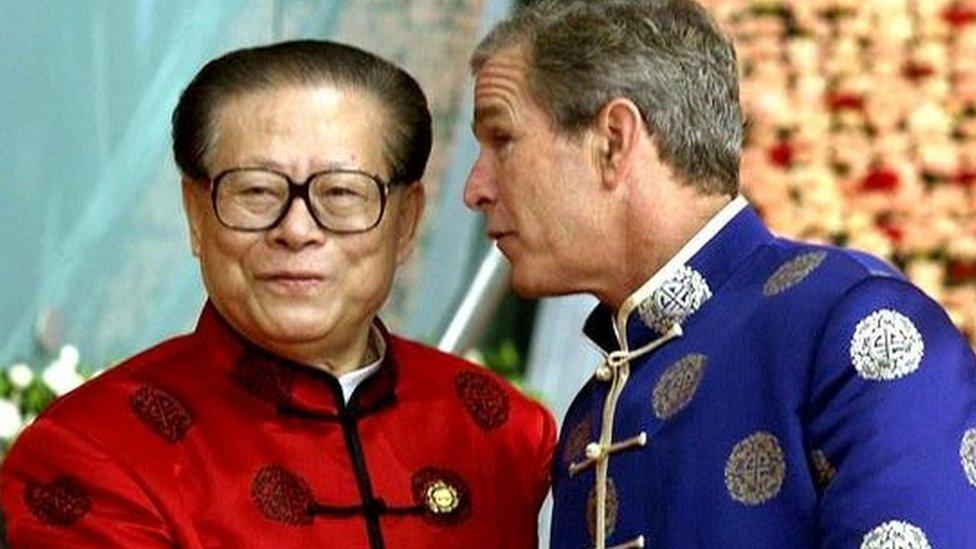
<point>479,189</point>
<point>298,228</point>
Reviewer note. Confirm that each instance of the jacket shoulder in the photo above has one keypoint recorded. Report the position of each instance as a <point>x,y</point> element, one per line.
<point>851,262</point>
<point>85,407</point>
<point>789,270</point>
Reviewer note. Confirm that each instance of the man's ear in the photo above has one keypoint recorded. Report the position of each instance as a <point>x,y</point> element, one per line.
<point>619,128</point>
<point>411,210</point>
<point>195,206</point>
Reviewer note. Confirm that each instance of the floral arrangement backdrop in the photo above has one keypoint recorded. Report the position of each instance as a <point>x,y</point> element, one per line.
<point>862,130</point>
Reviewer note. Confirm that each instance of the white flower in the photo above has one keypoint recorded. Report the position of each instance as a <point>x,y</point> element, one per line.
<point>10,420</point>
<point>61,378</point>
<point>21,375</point>
<point>69,357</point>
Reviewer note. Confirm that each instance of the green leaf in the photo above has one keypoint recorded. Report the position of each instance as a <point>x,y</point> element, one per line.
<point>37,396</point>
<point>6,387</point>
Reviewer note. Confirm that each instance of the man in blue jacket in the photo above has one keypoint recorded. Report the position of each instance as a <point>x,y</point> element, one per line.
<point>756,392</point>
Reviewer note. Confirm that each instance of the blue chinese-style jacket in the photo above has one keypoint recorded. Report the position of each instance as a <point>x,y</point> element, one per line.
<point>763,393</point>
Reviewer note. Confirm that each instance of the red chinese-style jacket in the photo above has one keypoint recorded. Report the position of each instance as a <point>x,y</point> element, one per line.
<point>208,441</point>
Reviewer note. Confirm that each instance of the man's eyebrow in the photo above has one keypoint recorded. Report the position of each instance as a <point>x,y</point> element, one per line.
<point>264,162</point>
<point>486,113</point>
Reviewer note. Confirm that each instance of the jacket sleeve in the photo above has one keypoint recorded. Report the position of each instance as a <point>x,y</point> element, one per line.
<point>59,489</point>
<point>544,455</point>
<point>891,423</point>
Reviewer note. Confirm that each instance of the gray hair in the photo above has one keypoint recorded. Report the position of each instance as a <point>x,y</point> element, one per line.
<point>667,56</point>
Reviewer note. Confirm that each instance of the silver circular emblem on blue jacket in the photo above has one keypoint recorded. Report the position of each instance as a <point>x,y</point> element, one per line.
<point>675,300</point>
<point>967,453</point>
<point>886,346</point>
<point>896,534</point>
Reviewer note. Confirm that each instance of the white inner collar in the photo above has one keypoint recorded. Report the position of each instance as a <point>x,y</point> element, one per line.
<point>351,380</point>
<point>692,247</point>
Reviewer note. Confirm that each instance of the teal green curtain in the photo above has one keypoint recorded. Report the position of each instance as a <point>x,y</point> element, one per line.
<point>93,244</point>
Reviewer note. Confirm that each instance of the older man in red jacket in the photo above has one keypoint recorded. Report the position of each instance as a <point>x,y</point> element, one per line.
<point>290,417</point>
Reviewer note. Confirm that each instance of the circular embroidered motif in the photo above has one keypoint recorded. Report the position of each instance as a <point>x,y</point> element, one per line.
<point>281,495</point>
<point>967,453</point>
<point>610,513</point>
<point>576,441</point>
<point>162,412</point>
<point>483,398</point>
<point>886,346</point>
<point>60,502</point>
<point>263,376</point>
<point>677,385</point>
<point>793,272</point>
<point>896,534</point>
<point>823,471</point>
<point>443,494</point>
<point>755,469</point>
<point>676,300</point>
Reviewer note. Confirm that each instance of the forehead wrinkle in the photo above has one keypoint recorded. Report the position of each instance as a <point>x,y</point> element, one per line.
<point>500,108</point>
<point>497,99</point>
<point>508,82</point>
<point>510,58</point>
<point>498,86</point>
<point>502,69</point>
<point>500,90</point>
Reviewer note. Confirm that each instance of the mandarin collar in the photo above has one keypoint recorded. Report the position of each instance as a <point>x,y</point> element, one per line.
<point>676,292</point>
<point>290,387</point>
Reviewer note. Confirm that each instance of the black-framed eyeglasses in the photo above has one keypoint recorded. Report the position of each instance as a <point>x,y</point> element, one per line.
<point>341,201</point>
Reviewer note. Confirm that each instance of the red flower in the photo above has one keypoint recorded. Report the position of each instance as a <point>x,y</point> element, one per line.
<point>958,15</point>
<point>894,232</point>
<point>960,271</point>
<point>880,179</point>
<point>781,154</point>
<point>917,71</point>
<point>966,177</point>
<point>841,100</point>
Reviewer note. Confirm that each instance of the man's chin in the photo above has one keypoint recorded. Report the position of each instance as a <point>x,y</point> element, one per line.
<point>294,322</point>
<point>528,286</point>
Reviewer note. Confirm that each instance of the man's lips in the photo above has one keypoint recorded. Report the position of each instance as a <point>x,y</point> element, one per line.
<point>292,280</point>
<point>290,275</point>
<point>498,235</point>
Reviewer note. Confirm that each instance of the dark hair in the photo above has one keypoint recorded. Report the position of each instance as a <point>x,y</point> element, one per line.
<point>667,56</point>
<point>305,63</point>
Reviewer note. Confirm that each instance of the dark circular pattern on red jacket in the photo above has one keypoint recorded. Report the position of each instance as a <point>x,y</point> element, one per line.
<point>162,412</point>
<point>483,398</point>
<point>60,502</point>
<point>282,496</point>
